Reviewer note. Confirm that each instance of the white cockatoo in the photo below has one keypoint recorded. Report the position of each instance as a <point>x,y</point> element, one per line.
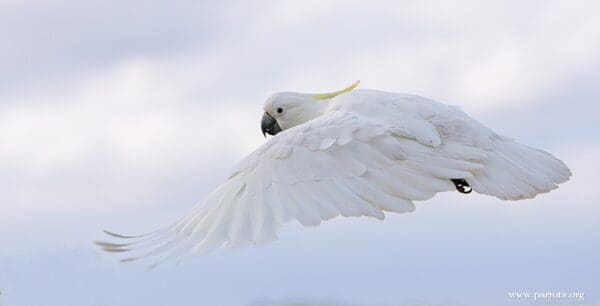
<point>350,153</point>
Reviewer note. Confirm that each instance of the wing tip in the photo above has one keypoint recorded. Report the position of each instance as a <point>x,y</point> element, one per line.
<point>116,235</point>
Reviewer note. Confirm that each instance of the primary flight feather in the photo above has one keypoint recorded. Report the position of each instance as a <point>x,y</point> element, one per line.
<point>350,153</point>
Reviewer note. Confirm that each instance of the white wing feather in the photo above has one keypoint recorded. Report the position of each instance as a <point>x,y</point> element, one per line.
<point>371,152</point>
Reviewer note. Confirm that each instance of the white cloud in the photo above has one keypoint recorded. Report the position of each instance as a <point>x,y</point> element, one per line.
<point>134,109</point>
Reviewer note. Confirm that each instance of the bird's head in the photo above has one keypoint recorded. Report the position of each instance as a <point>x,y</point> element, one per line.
<point>284,110</point>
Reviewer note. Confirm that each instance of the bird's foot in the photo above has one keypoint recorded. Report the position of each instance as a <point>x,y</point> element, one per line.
<point>462,186</point>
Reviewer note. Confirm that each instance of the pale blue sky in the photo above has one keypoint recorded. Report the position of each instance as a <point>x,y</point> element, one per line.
<point>123,115</point>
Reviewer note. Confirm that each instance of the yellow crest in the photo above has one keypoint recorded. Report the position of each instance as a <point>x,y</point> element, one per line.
<point>330,95</point>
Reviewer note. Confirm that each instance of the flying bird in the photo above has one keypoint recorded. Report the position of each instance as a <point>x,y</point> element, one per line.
<point>351,152</point>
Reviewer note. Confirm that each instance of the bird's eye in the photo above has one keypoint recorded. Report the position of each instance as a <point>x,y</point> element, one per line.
<point>279,110</point>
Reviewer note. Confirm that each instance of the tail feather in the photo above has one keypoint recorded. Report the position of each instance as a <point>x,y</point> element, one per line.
<point>515,171</point>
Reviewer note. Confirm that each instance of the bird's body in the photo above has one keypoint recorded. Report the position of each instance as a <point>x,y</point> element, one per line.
<point>352,153</point>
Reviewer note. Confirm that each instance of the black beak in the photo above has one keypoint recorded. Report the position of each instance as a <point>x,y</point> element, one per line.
<point>269,125</point>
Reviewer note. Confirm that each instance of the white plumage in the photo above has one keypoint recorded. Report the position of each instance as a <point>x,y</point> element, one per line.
<point>351,153</point>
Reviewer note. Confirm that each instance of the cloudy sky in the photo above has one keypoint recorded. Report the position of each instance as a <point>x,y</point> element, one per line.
<point>123,114</point>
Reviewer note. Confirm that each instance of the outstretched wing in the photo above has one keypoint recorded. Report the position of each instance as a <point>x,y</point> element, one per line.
<point>338,164</point>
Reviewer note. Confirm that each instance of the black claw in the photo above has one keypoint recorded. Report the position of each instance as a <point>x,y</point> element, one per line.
<point>462,186</point>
